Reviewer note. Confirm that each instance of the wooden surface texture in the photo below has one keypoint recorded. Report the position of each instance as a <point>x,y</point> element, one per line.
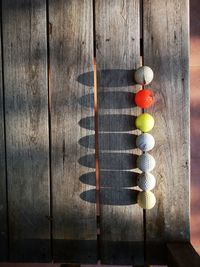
<point>27,133</point>
<point>117,55</point>
<point>165,39</point>
<point>73,203</point>
<point>47,148</point>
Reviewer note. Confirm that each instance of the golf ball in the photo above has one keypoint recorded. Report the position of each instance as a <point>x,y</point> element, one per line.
<point>146,162</point>
<point>146,181</point>
<point>143,75</point>
<point>144,98</point>
<point>145,142</point>
<point>146,200</point>
<point>145,122</point>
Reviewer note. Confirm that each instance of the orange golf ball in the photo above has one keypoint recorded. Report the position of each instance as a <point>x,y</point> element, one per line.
<point>144,98</point>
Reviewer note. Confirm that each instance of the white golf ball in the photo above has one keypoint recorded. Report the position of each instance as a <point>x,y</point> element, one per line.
<point>146,162</point>
<point>146,181</point>
<point>145,142</point>
<point>143,75</point>
<point>146,199</point>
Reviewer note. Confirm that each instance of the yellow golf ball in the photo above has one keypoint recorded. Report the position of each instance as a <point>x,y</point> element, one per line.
<point>145,122</point>
<point>146,200</point>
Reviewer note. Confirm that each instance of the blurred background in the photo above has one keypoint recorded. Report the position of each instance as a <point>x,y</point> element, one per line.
<point>195,120</point>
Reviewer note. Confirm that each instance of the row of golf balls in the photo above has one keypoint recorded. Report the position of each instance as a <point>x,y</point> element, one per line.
<point>145,122</point>
<point>146,163</point>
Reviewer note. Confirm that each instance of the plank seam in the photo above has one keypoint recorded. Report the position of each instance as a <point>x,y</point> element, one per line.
<point>96,115</point>
<point>143,110</point>
<point>4,123</point>
<point>49,127</point>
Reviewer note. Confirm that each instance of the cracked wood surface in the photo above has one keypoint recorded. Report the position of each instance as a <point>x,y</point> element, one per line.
<point>166,52</point>
<point>117,55</point>
<point>73,200</point>
<point>27,132</point>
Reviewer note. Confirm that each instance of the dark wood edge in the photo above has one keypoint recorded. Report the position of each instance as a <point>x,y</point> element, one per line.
<point>182,255</point>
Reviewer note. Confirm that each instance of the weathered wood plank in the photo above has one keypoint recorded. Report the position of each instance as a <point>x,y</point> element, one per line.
<point>166,52</point>
<point>117,55</point>
<point>3,189</point>
<point>71,57</point>
<point>182,255</point>
<point>27,138</point>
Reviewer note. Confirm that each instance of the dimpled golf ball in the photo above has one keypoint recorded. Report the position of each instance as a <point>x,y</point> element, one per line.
<point>144,98</point>
<point>145,142</point>
<point>145,122</point>
<point>143,75</point>
<point>146,181</point>
<point>146,162</point>
<point>146,200</point>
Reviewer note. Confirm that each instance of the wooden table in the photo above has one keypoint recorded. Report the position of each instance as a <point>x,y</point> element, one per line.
<point>68,156</point>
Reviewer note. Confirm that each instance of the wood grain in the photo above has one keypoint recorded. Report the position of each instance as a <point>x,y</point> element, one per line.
<point>117,55</point>
<point>27,138</point>
<point>71,55</point>
<point>182,255</point>
<point>166,52</point>
<point>3,189</point>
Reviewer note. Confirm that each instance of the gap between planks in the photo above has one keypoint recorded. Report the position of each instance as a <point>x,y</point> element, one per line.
<point>4,124</point>
<point>96,116</point>
<point>50,218</point>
